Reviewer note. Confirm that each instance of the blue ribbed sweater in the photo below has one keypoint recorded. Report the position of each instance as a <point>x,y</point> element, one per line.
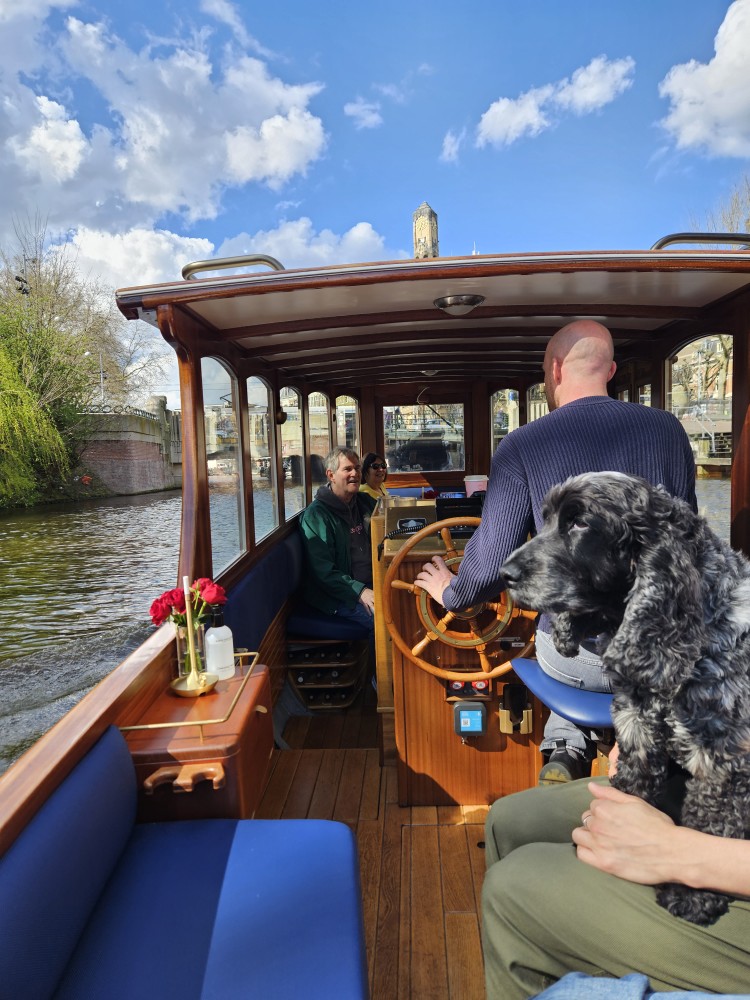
<point>594,434</point>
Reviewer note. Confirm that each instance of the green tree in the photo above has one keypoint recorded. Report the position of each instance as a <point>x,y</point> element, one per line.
<point>30,444</point>
<point>65,350</point>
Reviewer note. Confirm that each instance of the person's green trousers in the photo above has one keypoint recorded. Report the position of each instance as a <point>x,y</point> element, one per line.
<point>545,913</point>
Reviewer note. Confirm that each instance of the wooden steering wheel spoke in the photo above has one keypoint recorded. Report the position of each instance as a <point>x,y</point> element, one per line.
<point>484,662</point>
<point>450,548</point>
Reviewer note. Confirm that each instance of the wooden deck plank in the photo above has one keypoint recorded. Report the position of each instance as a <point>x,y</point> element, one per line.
<point>284,766</point>
<point>455,867</point>
<point>369,806</point>
<point>370,847</point>
<point>429,972</point>
<point>464,950</point>
<point>450,815</point>
<point>475,814</point>
<point>424,816</point>
<point>390,905</point>
<point>295,731</point>
<point>352,726</point>
<point>349,794</point>
<point>327,785</point>
<point>404,916</point>
<point>301,790</point>
<point>316,733</point>
<point>368,730</point>
<point>477,857</point>
<point>334,728</point>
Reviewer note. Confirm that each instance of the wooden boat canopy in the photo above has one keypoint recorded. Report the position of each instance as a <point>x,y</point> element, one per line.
<point>376,324</point>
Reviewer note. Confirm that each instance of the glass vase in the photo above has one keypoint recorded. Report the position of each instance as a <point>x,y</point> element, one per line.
<point>183,649</point>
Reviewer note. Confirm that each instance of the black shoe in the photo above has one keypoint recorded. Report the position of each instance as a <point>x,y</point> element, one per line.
<point>564,764</point>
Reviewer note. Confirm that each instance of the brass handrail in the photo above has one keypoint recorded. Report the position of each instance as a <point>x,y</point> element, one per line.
<point>741,238</point>
<point>204,722</point>
<point>221,263</point>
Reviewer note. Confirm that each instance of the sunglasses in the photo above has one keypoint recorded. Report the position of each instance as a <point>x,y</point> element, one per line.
<point>378,466</point>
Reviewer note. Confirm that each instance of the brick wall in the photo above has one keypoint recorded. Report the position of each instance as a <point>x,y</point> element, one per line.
<point>132,452</point>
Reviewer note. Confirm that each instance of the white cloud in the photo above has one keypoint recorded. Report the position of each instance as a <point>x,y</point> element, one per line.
<point>297,244</point>
<point>451,146</point>
<point>136,257</point>
<point>588,89</point>
<point>366,114</point>
<point>710,102</point>
<point>54,148</point>
<point>281,147</point>
<point>135,157</point>
<point>593,86</point>
<point>507,120</point>
<point>228,14</point>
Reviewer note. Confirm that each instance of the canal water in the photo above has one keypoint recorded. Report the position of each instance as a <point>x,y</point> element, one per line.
<point>76,583</point>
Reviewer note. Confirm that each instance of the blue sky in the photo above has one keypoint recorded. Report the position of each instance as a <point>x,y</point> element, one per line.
<point>151,134</point>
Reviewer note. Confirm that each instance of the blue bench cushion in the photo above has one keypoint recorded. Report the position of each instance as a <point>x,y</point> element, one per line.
<point>93,905</point>
<point>585,708</point>
<point>306,622</point>
<point>51,876</point>
<point>225,909</point>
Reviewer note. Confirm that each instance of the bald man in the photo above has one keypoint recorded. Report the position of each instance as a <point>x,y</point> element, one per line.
<point>585,431</point>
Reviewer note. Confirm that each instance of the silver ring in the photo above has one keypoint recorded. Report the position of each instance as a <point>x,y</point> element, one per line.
<point>585,820</point>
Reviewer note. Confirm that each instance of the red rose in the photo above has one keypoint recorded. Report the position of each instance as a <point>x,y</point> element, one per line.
<point>176,599</point>
<point>212,593</point>
<point>160,610</point>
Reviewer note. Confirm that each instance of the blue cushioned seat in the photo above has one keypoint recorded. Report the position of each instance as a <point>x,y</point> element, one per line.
<point>93,905</point>
<point>305,622</point>
<point>589,709</point>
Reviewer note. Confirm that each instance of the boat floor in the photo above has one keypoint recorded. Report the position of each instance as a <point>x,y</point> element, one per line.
<point>421,866</point>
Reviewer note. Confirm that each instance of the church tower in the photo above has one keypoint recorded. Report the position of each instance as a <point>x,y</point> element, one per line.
<point>425,232</point>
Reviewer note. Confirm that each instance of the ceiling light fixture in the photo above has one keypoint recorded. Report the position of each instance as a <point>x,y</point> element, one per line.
<point>458,305</point>
<point>429,372</point>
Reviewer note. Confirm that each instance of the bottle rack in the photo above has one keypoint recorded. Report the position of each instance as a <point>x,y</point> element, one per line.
<point>326,674</point>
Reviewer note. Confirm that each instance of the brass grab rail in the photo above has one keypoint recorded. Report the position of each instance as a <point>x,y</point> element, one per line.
<point>221,263</point>
<point>742,238</point>
<point>200,723</point>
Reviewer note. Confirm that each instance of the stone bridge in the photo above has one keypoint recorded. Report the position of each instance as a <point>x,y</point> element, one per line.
<point>134,450</point>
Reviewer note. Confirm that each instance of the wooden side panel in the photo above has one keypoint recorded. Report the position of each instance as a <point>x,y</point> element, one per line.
<point>242,745</point>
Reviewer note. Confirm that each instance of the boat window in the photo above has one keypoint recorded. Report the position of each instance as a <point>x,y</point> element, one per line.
<point>319,422</point>
<point>292,452</point>
<point>263,456</point>
<point>700,396</point>
<point>424,437</point>
<point>347,422</point>
<point>624,395</point>
<point>503,414</point>
<point>225,488</point>
<point>536,402</point>
<point>644,395</point>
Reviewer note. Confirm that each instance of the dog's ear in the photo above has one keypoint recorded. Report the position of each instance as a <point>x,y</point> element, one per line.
<point>662,631</point>
<point>566,634</point>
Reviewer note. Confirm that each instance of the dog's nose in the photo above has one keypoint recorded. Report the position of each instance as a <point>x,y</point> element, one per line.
<point>510,572</point>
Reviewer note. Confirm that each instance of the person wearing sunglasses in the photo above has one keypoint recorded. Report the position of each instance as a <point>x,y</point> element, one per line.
<point>374,471</point>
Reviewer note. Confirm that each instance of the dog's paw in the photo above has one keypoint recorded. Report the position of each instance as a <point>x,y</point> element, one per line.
<point>699,906</point>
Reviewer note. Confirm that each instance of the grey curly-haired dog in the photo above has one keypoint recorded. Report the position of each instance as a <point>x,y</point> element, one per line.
<point>671,601</point>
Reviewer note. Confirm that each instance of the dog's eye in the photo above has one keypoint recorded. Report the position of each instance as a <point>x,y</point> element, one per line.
<point>578,525</point>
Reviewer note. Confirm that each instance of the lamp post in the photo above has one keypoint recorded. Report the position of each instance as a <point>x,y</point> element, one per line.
<point>87,354</point>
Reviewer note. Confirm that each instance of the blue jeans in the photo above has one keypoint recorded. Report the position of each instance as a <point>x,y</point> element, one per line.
<point>358,614</point>
<point>576,986</point>
<point>582,671</point>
